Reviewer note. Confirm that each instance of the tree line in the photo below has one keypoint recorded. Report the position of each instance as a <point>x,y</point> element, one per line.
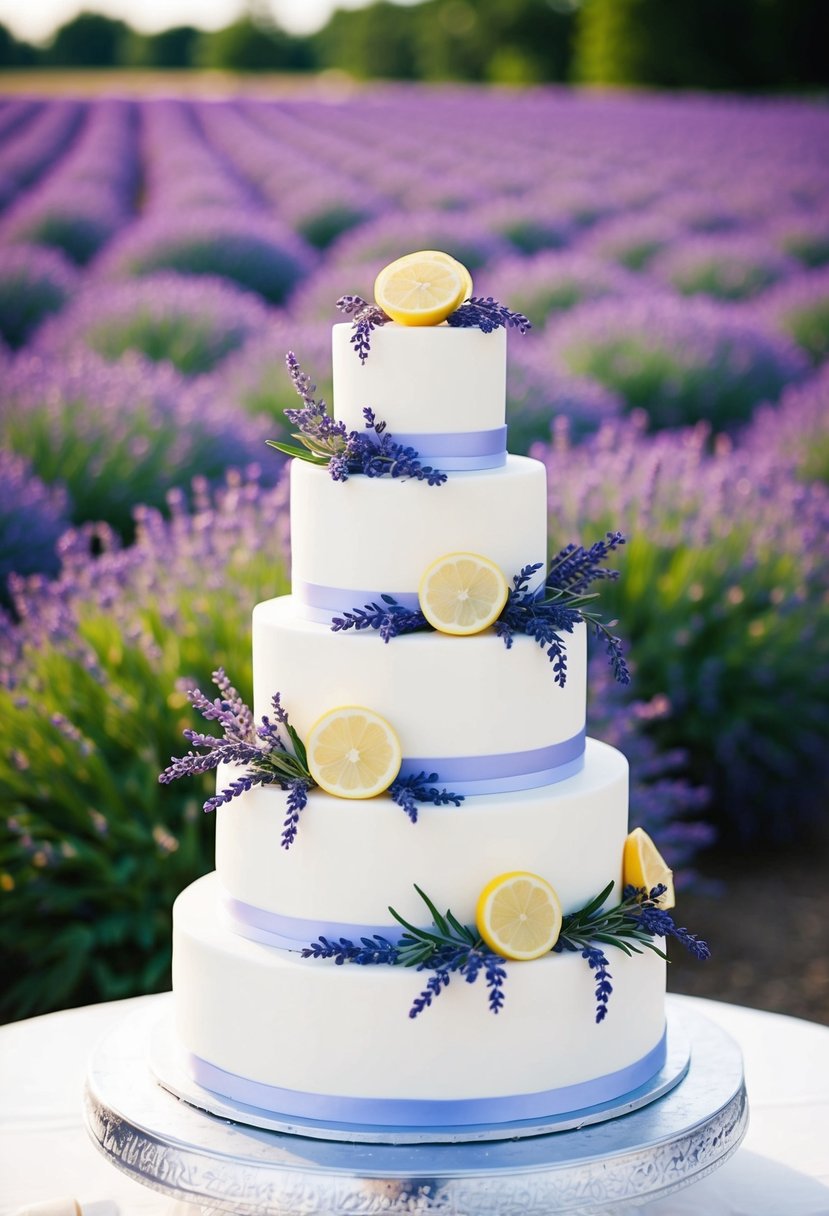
<point>718,44</point>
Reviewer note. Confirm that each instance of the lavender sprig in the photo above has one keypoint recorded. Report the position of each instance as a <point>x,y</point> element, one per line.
<point>478,312</point>
<point>270,758</point>
<point>366,318</point>
<point>408,791</point>
<point>449,948</point>
<point>369,951</point>
<point>327,442</point>
<point>275,755</point>
<point>486,314</point>
<point>545,615</point>
<point>390,619</point>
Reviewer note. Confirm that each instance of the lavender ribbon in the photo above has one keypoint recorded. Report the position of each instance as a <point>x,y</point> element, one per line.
<point>424,1112</point>
<point>458,451</point>
<point>320,603</point>
<point>505,772</point>
<point>295,932</point>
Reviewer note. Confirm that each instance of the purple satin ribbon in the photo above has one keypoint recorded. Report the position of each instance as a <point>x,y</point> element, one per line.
<point>295,932</point>
<point>456,451</point>
<point>424,1112</point>
<point>320,603</point>
<point>503,773</point>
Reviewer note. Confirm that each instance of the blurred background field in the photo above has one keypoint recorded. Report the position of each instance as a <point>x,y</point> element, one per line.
<point>160,254</point>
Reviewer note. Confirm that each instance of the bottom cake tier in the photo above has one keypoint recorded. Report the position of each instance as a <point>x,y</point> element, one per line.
<point>308,1039</point>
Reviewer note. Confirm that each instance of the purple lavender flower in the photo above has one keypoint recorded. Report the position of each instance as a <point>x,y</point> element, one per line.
<point>556,282</point>
<point>384,239</point>
<point>530,226</point>
<point>795,433</point>
<point>33,284</point>
<point>723,578</point>
<point>193,324</point>
<point>730,267</point>
<point>254,377</point>
<point>802,235</point>
<point>120,435</point>
<point>32,518</point>
<point>680,360</point>
<point>255,252</point>
<point>40,142</point>
<point>89,193</point>
<point>799,309</point>
<point>539,392</point>
<point>632,240</point>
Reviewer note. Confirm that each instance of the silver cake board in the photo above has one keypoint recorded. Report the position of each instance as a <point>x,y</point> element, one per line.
<point>642,1153</point>
<point>166,1062</point>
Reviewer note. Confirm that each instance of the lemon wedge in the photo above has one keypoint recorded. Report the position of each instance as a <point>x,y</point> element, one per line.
<point>420,289</point>
<point>644,866</point>
<point>519,916</point>
<point>353,752</point>
<point>462,593</point>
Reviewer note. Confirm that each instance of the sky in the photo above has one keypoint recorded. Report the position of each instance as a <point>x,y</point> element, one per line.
<point>36,20</point>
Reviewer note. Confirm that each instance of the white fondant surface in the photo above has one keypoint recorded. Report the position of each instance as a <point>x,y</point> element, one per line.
<point>431,379</point>
<point>444,696</point>
<point>308,1025</point>
<point>350,860</point>
<point>380,534</point>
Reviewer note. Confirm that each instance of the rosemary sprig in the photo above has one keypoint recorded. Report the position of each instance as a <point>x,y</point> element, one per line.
<point>449,947</point>
<point>619,926</point>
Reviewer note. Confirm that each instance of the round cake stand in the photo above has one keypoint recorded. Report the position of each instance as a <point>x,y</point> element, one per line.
<point>228,1167</point>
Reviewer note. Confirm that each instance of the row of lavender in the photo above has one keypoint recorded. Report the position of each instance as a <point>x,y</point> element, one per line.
<point>156,261</point>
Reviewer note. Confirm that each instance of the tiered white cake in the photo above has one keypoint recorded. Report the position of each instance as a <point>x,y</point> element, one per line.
<point>306,1038</point>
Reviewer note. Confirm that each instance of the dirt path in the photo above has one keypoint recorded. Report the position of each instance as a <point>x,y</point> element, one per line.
<point>768,928</point>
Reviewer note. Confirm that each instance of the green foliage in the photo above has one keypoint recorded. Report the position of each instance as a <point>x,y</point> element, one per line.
<point>808,324</point>
<point>190,342</point>
<point>376,41</point>
<point>93,850</point>
<point>250,45</point>
<point>522,42</point>
<point>13,53</point>
<point>89,40</point>
<point>721,595</point>
<point>29,293</point>
<point>172,48</point>
<point>712,44</point>
<point>324,224</point>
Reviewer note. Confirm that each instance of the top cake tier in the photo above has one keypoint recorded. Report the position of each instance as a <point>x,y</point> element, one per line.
<point>439,390</point>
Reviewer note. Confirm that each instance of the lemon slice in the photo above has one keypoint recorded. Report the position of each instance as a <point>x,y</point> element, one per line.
<point>353,752</point>
<point>462,593</point>
<point>519,916</point>
<point>419,289</point>
<point>644,866</point>
<point>466,277</point>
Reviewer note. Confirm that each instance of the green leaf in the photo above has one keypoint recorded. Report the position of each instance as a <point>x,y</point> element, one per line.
<point>462,930</point>
<point>418,934</point>
<point>299,747</point>
<point>439,921</point>
<point>297,453</point>
<point>595,904</point>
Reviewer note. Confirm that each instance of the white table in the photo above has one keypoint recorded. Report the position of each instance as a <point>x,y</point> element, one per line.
<point>782,1168</point>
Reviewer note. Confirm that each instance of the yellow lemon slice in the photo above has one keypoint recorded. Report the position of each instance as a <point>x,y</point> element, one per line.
<point>644,866</point>
<point>419,289</point>
<point>462,593</point>
<point>353,752</point>
<point>519,916</point>
<point>438,256</point>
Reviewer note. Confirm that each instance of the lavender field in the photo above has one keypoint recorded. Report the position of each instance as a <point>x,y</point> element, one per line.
<point>158,258</point>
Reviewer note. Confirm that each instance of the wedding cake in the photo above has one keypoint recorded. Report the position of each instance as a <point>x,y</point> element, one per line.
<point>492,735</point>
